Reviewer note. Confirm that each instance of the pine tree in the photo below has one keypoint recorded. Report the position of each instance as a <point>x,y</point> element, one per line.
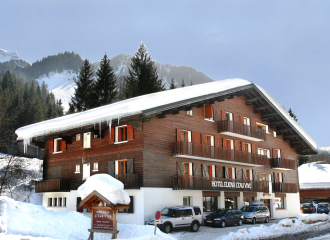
<point>291,113</point>
<point>191,83</point>
<point>302,159</point>
<point>143,75</point>
<point>83,96</point>
<point>105,89</point>
<point>182,84</point>
<point>173,84</point>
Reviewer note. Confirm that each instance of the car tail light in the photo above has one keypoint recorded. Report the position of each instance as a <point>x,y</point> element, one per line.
<point>327,207</point>
<point>310,207</point>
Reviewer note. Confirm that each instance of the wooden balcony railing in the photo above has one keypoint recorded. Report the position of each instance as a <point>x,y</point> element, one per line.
<point>130,181</point>
<point>52,185</point>
<point>242,129</point>
<point>279,187</point>
<point>206,151</point>
<point>183,182</point>
<point>283,163</point>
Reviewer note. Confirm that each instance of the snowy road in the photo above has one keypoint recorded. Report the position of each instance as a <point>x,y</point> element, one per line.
<point>212,232</point>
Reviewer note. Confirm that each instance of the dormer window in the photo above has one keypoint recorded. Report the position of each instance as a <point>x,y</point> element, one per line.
<point>58,145</point>
<point>208,112</point>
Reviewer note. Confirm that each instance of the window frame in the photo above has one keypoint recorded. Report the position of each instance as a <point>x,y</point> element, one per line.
<point>282,203</point>
<point>249,150</point>
<point>55,145</point>
<point>116,134</point>
<point>90,140</point>
<point>274,134</point>
<point>77,168</point>
<point>248,120</point>
<point>117,166</point>
<point>264,126</point>
<point>264,149</point>
<point>95,167</point>
<point>190,113</point>
<point>78,137</point>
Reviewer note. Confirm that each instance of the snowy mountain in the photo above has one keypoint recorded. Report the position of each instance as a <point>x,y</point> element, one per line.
<point>62,83</point>
<point>13,58</point>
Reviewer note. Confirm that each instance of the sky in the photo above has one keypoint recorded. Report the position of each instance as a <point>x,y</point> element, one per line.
<point>282,46</point>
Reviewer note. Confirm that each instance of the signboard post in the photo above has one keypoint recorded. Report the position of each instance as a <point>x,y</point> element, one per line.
<point>157,217</point>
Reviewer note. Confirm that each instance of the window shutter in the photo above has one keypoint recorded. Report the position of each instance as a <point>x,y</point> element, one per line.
<point>63,147</point>
<point>226,172</point>
<point>283,177</point>
<point>131,205</point>
<point>179,168</point>
<point>241,119</point>
<point>204,141</point>
<point>195,169</point>
<point>236,142</point>
<point>130,131</point>
<point>244,174</point>
<point>224,142</point>
<point>274,176</point>
<point>253,146</point>
<point>254,175</point>
<point>111,168</point>
<point>218,171</point>
<point>216,141</point>
<point>50,145</point>
<point>223,115</point>
<point>236,118</point>
<point>130,168</point>
<point>178,134</point>
<point>274,153</point>
<point>243,147</point>
<point>112,135</point>
<point>253,123</point>
<point>208,110</point>
<point>54,173</point>
<point>282,154</point>
<point>78,202</point>
<point>237,175</point>
<point>196,137</point>
<point>204,169</point>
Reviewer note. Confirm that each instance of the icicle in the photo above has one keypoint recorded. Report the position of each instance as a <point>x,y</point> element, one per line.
<point>100,128</point>
<point>118,120</point>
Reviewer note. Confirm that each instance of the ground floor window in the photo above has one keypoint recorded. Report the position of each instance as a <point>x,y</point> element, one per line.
<point>248,200</point>
<point>279,203</point>
<point>187,201</point>
<point>231,203</point>
<point>57,202</point>
<point>210,204</point>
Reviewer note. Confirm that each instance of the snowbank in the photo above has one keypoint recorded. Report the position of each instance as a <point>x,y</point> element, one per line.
<point>312,175</point>
<point>107,186</point>
<point>18,218</point>
<point>312,218</point>
<point>285,222</point>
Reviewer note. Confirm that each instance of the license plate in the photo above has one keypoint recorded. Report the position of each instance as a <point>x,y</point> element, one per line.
<point>209,221</point>
<point>322,209</point>
<point>305,208</point>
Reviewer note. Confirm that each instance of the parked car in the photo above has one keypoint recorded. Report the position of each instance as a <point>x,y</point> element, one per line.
<point>308,208</point>
<point>256,212</point>
<point>178,217</point>
<point>315,203</point>
<point>224,217</point>
<point>323,207</point>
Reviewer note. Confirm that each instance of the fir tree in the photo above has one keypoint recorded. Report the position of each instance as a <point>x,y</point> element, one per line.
<point>302,160</point>
<point>191,83</point>
<point>291,113</point>
<point>83,96</point>
<point>172,84</point>
<point>182,84</point>
<point>143,75</point>
<point>105,89</point>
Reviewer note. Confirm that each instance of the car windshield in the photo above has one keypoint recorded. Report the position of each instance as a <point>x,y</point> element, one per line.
<point>219,212</point>
<point>307,205</point>
<point>323,205</point>
<point>169,212</point>
<point>248,209</point>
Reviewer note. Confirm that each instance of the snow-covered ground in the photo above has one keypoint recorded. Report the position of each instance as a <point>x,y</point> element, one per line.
<point>62,85</point>
<point>312,175</point>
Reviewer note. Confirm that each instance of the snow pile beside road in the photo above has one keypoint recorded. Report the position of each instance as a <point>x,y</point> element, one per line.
<point>18,218</point>
<point>313,218</point>
<point>280,229</point>
<point>107,186</point>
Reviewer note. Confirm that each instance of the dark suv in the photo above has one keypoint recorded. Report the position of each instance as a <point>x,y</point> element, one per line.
<point>323,207</point>
<point>308,208</point>
<point>224,217</point>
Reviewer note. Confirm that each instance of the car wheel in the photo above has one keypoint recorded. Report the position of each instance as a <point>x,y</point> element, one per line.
<point>167,228</point>
<point>194,227</point>
<point>223,224</point>
<point>267,220</point>
<point>240,222</point>
<point>254,221</point>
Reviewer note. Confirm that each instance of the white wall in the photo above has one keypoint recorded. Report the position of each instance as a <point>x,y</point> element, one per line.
<point>71,201</point>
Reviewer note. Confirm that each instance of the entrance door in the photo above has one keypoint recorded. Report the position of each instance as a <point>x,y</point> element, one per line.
<point>267,203</point>
<point>86,171</point>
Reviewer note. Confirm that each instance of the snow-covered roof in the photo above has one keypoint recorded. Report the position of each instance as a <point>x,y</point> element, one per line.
<point>141,104</point>
<point>312,175</point>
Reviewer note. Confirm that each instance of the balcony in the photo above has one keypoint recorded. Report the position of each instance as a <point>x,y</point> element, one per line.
<point>130,181</point>
<point>284,164</point>
<point>53,185</point>
<point>218,154</point>
<point>279,187</point>
<point>240,130</point>
<point>183,182</point>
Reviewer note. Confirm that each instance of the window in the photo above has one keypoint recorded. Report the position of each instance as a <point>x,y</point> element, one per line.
<point>130,209</point>
<point>246,121</point>
<point>231,173</point>
<point>279,203</point>
<point>77,168</point>
<point>262,126</point>
<point>55,202</point>
<point>264,152</point>
<point>231,203</point>
<point>186,201</point>
<point>64,202</point>
<point>274,134</point>
<point>78,138</point>
<point>208,112</point>
<point>121,167</point>
<point>278,153</point>
<point>210,169</point>
<point>190,113</point>
<point>229,116</point>
<point>186,136</point>
<point>248,174</point>
<point>209,140</point>
<point>230,144</point>
<point>87,140</point>
<point>60,202</point>
<point>247,147</point>
<point>187,169</point>
<point>57,145</point>
<point>210,204</point>
<point>263,177</point>
<point>96,166</point>
<point>50,202</point>
<point>121,134</point>
<point>95,136</point>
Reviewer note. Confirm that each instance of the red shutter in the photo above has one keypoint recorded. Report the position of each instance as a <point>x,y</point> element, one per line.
<point>223,115</point>
<point>243,147</point>
<point>196,138</point>
<point>178,134</point>
<point>129,132</point>
<point>208,110</point>
<point>236,144</point>
<point>216,142</point>
<point>204,140</point>
<point>253,123</point>
<point>50,145</point>
<point>241,119</point>
<point>282,154</point>
<point>274,153</point>
<point>253,148</point>
<point>112,135</point>
<point>236,118</point>
<point>224,142</point>
<point>63,145</point>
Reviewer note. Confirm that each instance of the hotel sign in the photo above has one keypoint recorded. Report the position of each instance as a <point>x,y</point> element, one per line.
<point>231,184</point>
<point>103,219</point>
